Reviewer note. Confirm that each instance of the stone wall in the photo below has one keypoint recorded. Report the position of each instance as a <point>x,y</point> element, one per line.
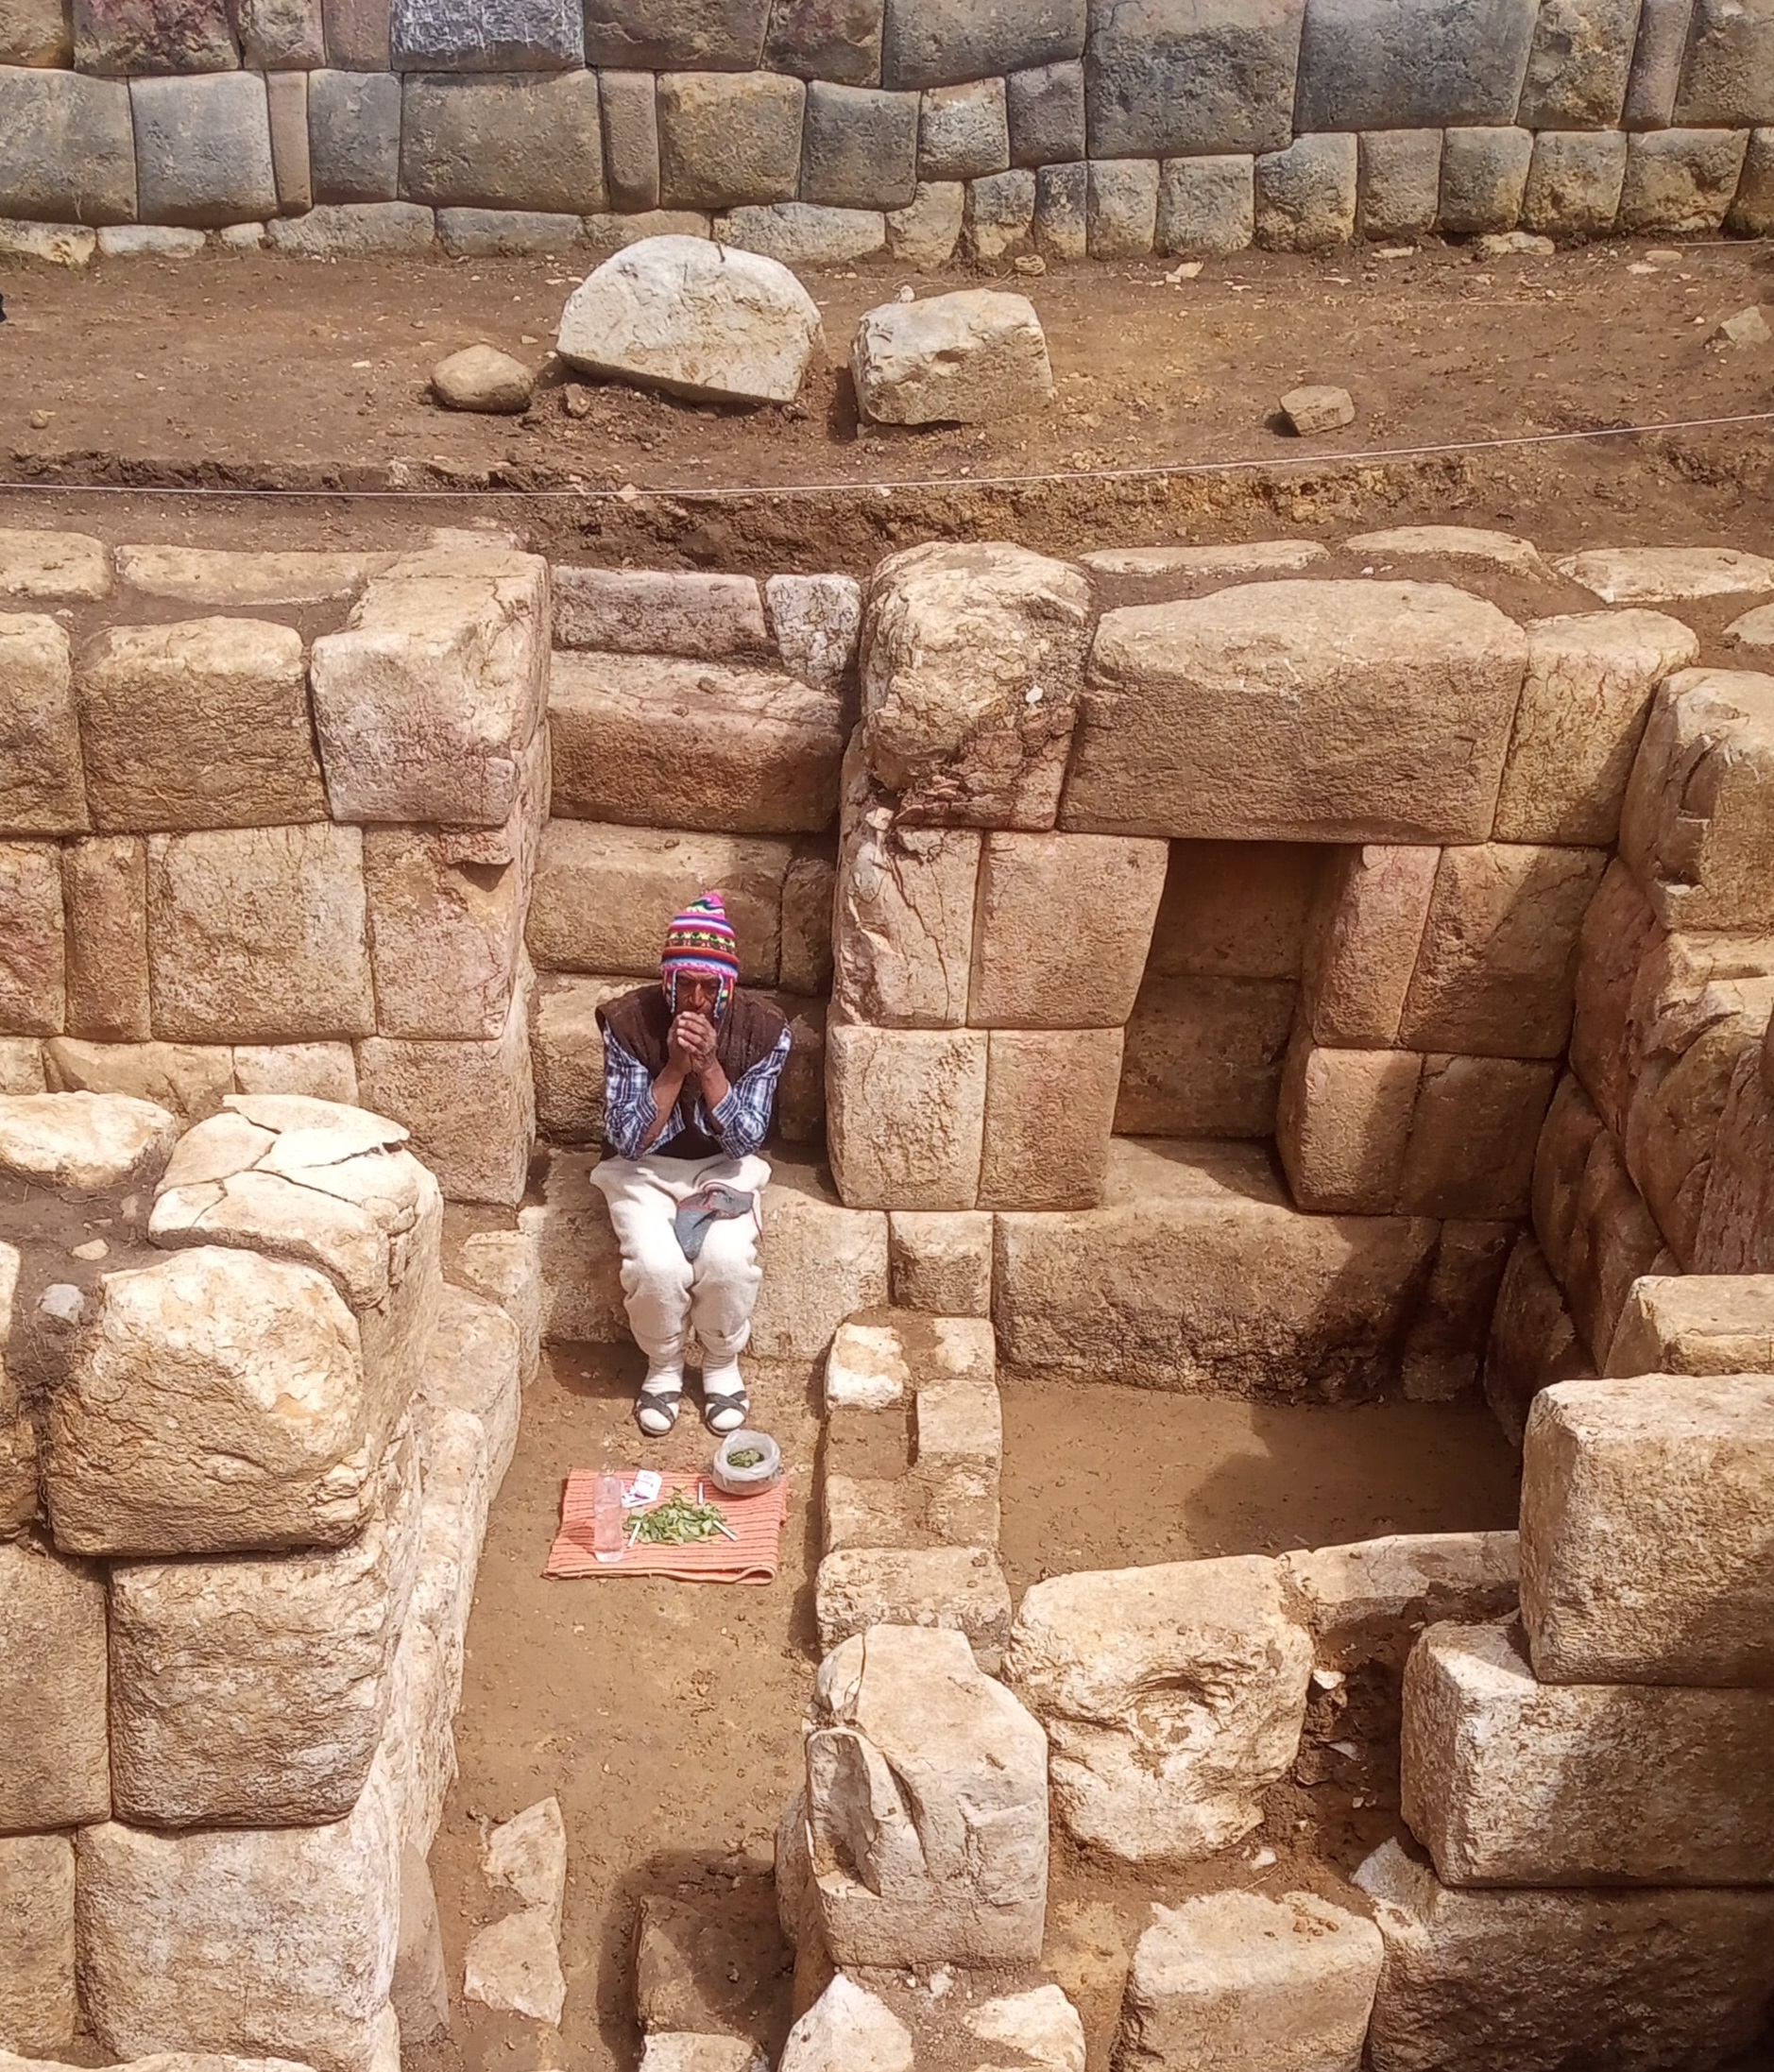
<point>248,1440</point>
<point>827,130</point>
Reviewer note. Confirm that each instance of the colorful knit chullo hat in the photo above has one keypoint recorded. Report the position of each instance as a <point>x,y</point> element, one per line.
<point>701,940</point>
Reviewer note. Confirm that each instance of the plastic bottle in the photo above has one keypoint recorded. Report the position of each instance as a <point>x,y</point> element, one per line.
<point>607,1530</point>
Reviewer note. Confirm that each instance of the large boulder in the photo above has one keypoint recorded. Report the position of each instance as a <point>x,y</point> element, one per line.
<point>964,359</point>
<point>1173,1697</point>
<point>695,319</point>
<point>926,1802</point>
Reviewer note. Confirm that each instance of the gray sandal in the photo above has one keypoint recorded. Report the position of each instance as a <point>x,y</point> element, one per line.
<point>732,1406</point>
<point>662,1404</point>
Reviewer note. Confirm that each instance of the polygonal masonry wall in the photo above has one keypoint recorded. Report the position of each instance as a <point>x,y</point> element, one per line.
<point>250,1438</point>
<point>911,127</point>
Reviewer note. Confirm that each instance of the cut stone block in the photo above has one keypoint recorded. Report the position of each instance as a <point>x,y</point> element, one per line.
<point>446,924</point>
<point>1050,1108</point>
<point>104,885</point>
<point>964,132</point>
<point>1681,181</point>
<point>1062,211</point>
<point>1726,77</point>
<point>354,137</point>
<point>40,784</point>
<point>259,934</point>
<point>212,1333</point>
<point>527,140</point>
<point>999,214</point>
<point>817,39</point>
<point>1618,931</point>
<point>692,745</point>
<point>470,1106</point>
<point>448,36</point>
<point>1363,69</point>
<point>964,358</point>
<point>1646,1516</point>
<point>802,233</point>
<point>1121,208</point>
<point>1445,1350</point>
<point>941,43</point>
<point>1574,183</point>
<point>1496,965</point>
<point>1061,930</point>
<point>1194,1261</point>
<point>33,955</point>
<point>36,33</point>
<point>605,896</point>
<point>628,107</point>
<point>904,920</point>
<point>906,1113</point>
<point>1203,1057</point>
<point>1634,1980</point>
<point>1360,950</point>
<point>1162,82</point>
<point>1046,107</point>
<point>82,1145</point>
<point>1355,1596</point>
<point>203,149</point>
<point>198,725</point>
<point>728,139</point>
<point>567,1057</point>
<point>1473,1135</point>
<point>1735,1233</point>
<point>941,1263</point>
<point>1230,1976</point>
<point>251,1693</point>
<point>113,36</point>
<point>970,675</point>
<point>53,567</point>
<point>1578,66</point>
<point>927,232</point>
<point>1699,1323</point>
<point>425,703</point>
<point>1306,194</point>
<point>1533,1340</point>
<point>1484,174</point>
<point>474,1367</point>
<point>1591,680</point>
<point>1660,575</point>
<point>658,611</point>
<point>815,621</point>
<point>38,2004</point>
<point>1698,828</point>
<point>514,1968</point>
<point>192,1080</point>
<point>1398,182</point>
<point>276,1939</point>
<point>1615,1239</point>
<point>1565,1141</point>
<point>1343,1127</point>
<point>21,1066</point>
<point>54,1768</point>
<point>1234,910</point>
<point>847,2025</point>
<point>879,1362</point>
<point>1511,1782</point>
<point>858,146</point>
<point>1332,674</point>
<point>648,36</point>
<point>1206,204</point>
<point>959,1590</point>
<point>1172,1697</point>
<point>927,1805</point>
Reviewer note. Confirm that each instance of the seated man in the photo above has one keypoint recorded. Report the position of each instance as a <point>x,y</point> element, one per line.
<point>691,1072</point>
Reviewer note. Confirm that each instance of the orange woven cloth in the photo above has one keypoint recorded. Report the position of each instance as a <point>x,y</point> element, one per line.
<point>751,1557</point>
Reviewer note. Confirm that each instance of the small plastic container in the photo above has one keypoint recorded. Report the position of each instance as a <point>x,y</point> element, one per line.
<point>608,1531</point>
<point>746,1482</point>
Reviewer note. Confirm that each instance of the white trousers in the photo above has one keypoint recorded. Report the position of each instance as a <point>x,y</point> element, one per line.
<point>668,1297</point>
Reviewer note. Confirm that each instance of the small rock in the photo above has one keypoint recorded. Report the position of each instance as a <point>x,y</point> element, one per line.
<point>241,237</point>
<point>1329,1679</point>
<point>846,2030</point>
<point>575,400</point>
<point>481,378</point>
<point>1748,327</point>
<point>1660,255</point>
<point>1318,409</point>
<point>682,2051</point>
<point>39,420</point>
<point>954,359</point>
<point>1032,265</point>
<point>1514,245</point>
<point>1755,629</point>
<point>514,1968</point>
<point>149,241</point>
<point>94,1249</point>
<point>1041,2027</point>
<point>528,1856</point>
<point>55,244</point>
<point>61,1303</point>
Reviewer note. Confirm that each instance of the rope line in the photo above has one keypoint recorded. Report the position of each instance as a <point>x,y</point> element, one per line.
<point>691,494</point>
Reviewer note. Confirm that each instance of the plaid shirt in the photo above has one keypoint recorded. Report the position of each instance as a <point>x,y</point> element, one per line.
<point>738,1124</point>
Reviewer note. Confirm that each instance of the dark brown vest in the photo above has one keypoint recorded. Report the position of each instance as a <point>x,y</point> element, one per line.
<point>641,1022</point>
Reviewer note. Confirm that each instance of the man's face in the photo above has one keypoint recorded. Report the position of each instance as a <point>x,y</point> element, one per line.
<point>697,994</point>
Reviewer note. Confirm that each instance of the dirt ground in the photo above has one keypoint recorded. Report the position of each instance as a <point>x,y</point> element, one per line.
<point>666,1717</point>
<point>310,375</point>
